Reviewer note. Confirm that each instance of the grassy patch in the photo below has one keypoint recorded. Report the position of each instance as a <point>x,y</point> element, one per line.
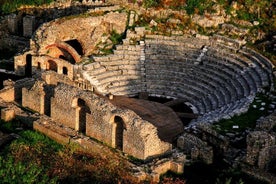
<point>257,109</point>
<point>34,158</point>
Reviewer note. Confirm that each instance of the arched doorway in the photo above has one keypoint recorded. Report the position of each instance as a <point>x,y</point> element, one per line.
<point>64,70</point>
<point>76,45</point>
<point>83,109</point>
<point>28,67</point>
<point>52,65</point>
<point>119,132</point>
<point>38,66</point>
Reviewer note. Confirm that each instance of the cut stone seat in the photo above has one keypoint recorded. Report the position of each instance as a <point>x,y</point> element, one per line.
<point>108,80</point>
<point>256,72</point>
<point>219,77</point>
<point>226,111</point>
<point>206,80</point>
<point>176,40</point>
<point>107,74</point>
<point>126,52</point>
<point>115,63</point>
<point>91,66</point>
<point>263,71</point>
<point>125,89</point>
<point>225,48</point>
<point>183,90</point>
<point>121,83</point>
<point>227,75</point>
<point>97,71</point>
<point>128,47</point>
<point>261,59</point>
<point>200,88</point>
<point>101,58</point>
<point>191,98</point>
<point>173,49</point>
<point>205,89</point>
<point>225,41</point>
<point>240,75</point>
<point>135,67</point>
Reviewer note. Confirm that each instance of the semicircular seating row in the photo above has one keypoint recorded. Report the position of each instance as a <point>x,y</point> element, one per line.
<point>213,79</point>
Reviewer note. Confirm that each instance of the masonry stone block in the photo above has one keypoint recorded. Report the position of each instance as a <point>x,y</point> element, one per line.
<point>7,114</point>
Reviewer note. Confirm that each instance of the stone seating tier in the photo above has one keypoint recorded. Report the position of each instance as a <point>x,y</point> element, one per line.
<point>219,78</point>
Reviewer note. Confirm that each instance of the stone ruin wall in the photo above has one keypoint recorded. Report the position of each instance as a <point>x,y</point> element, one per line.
<point>261,143</point>
<point>140,138</point>
<point>87,30</point>
<point>49,42</point>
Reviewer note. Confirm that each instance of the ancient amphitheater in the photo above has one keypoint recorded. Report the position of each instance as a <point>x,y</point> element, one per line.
<point>202,78</point>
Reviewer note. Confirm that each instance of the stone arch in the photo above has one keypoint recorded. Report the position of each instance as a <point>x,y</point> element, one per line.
<point>76,45</point>
<point>28,67</point>
<point>118,132</point>
<point>64,70</point>
<point>81,110</point>
<point>66,48</point>
<point>52,65</point>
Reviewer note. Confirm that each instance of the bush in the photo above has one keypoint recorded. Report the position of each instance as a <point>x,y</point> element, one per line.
<point>11,6</point>
<point>13,173</point>
<point>151,3</point>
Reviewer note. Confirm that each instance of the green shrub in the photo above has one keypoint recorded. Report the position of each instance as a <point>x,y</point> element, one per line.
<point>17,172</point>
<point>150,3</point>
<point>11,6</point>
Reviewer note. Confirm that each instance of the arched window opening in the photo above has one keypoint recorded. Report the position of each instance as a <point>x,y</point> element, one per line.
<point>38,66</point>
<point>119,132</point>
<point>28,67</point>
<point>76,45</point>
<point>64,70</point>
<point>62,57</point>
<point>83,110</point>
<point>52,65</point>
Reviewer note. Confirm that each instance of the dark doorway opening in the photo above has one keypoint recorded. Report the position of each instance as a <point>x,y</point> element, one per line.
<point>119,132</point>
<point>64,70</point>
<point>28,67</point>
<point>76,45</point>
<point>52,65</point>
<point>84,109</point>
<point>38,66</point>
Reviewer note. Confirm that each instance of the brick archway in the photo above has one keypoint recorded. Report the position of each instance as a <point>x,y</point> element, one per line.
<point>68,48</point>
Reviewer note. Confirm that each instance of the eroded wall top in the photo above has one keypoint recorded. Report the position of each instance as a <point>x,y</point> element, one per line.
<point>87,30</point>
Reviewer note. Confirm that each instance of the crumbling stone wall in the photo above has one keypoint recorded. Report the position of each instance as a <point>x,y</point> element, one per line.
<point>87,30</point>
<point>33,98</point>
<point>139,137</point>
<point>260,145</point>
<point>198,149</point>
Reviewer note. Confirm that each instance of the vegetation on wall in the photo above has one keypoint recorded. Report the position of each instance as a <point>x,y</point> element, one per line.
<point>8,6</point>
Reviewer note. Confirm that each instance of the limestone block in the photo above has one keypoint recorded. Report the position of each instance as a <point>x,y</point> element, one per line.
<point>7,114</point>
<point>177,167</point>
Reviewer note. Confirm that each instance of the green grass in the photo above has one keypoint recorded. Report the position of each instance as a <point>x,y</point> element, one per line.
<point>246,120</point>
<point>11,6</point>
<point>35,158</point>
